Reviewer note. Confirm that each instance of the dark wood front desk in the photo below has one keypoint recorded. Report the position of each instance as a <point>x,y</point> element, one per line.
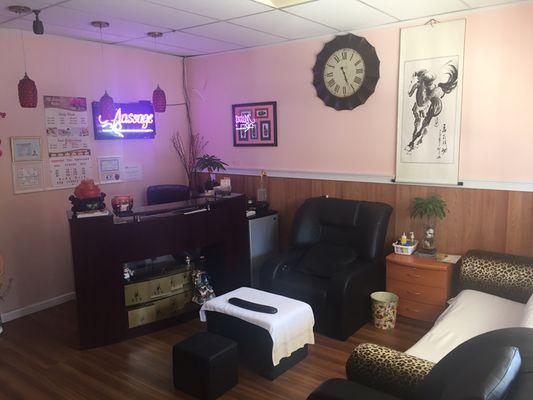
<point>102,245</point>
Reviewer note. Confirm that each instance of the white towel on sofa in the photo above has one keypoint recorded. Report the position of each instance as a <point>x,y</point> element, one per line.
<point>290,328</point>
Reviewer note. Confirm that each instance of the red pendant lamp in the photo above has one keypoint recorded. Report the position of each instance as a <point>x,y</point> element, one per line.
<point>159,98</point>
<point>107,107</point>
<point>106,103</point>
<point>27,90</point>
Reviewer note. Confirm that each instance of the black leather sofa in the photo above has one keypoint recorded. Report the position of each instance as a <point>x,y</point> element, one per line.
<point>335,263</point>
<point>160,194</point>
<point>494,365</point>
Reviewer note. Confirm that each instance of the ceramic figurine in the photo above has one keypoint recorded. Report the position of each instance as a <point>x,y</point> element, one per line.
<point>87,197</point>
<point>203,291</point>
<point>429,238</point>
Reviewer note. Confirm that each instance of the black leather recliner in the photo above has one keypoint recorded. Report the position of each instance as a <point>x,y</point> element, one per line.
<point>493,365</point>
<point>160,194</point>
<point>335,263</point>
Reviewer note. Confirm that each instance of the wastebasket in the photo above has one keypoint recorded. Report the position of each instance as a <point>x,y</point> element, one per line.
<point>384,306</point>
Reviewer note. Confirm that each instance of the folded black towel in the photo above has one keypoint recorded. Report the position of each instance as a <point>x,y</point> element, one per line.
<point>252,306</point>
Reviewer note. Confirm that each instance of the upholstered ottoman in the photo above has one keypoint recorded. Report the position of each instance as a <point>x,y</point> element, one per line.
<point>269,344</point>
<point>205,365</point>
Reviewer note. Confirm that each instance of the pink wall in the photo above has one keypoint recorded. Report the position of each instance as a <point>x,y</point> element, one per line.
<point>34,236</point>
<point>497,135</point>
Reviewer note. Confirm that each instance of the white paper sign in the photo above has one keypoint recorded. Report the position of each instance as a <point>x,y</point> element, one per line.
<point>133,172</point>
<point>69,145</point>
<point>68,172</point>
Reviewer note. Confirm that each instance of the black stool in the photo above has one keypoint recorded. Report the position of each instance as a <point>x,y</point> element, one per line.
<point>205,365</point>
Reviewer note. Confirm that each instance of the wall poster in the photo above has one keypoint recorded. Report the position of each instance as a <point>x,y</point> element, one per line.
<point>429,103</point>
<point>69,145</point>
<point>255,124</point>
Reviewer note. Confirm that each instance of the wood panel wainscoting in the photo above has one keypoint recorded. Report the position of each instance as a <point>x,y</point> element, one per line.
<point>494,220</point>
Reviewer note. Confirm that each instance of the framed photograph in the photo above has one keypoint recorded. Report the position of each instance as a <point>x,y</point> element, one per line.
<point>26,148</point>
<point>255,124</point>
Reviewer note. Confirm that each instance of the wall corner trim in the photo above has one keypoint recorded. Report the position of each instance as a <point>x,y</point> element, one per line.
<point>36,307</point>
<point>389,179</point>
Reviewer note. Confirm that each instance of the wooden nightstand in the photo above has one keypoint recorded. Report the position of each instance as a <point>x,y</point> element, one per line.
<point>422,284</point>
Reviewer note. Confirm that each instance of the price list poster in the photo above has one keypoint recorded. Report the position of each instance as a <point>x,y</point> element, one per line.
<point>69,146</point>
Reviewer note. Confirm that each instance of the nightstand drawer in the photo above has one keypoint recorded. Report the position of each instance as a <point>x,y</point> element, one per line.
<point>417,276</point>
<point>418,293</point>
<point>420,311</point>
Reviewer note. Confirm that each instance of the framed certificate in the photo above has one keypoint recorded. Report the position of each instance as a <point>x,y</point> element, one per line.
<point>26,148</point>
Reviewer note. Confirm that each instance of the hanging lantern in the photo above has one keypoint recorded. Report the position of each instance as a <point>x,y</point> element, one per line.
<point>159,100</point>
<point>107,107</point>
<point>27,92</point>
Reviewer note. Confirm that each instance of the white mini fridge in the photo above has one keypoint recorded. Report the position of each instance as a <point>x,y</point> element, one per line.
<point>263,234</point>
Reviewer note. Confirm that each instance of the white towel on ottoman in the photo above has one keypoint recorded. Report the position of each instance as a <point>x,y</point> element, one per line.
<point>290,328</point>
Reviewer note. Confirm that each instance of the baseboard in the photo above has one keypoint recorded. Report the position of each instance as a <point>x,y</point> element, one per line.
<point>36,307</point>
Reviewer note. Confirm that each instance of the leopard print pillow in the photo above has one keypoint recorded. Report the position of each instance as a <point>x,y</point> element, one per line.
<point>385,369</point>
<point>499,274</point>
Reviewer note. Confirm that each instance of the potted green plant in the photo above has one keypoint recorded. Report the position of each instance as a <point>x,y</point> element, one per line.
<point>210,164</point>
<point>428,209</point>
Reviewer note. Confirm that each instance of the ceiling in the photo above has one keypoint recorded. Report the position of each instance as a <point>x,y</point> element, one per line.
<point>196,27</point>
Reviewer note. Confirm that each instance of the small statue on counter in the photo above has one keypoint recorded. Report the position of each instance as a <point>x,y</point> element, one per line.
<point>87,197</point>
<point>203,291</point>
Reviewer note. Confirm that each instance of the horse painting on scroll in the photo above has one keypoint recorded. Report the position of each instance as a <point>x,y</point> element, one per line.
<point>431,82</point>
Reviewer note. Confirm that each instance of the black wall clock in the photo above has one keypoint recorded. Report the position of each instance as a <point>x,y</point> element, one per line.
<point>346,72</point>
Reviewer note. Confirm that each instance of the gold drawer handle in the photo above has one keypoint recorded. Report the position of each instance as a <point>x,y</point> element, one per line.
<point>414,276</point>
<point>412,309</point>
<point>415,293</point>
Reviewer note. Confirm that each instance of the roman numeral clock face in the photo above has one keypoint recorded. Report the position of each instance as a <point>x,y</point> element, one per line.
<point>346,72</point>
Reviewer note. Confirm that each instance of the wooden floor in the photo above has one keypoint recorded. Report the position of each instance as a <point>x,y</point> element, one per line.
<point>39,359</point>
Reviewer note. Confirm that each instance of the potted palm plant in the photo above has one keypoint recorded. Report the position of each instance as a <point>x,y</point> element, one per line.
<point>428,209</point>
<point>210,164</point>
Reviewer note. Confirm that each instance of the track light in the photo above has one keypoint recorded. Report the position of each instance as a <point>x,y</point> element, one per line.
<point>38,27</point>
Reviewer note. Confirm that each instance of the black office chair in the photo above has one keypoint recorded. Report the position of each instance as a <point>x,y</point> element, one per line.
<point>335,263</point>
<point>159,194</point>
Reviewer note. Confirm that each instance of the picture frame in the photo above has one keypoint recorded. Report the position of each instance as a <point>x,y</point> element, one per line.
<point>26,148</point>
<point>110,169</point>
<point>255,124</point>
<point>27,177</point>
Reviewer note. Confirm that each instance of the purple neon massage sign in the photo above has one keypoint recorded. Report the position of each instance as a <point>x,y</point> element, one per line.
<point>130,121</point>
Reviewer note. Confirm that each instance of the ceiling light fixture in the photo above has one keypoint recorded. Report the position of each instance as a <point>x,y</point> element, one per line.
<point>27,90</point>
<point>106,103</point>
<point>38,27</point>
<point>159,98</point>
